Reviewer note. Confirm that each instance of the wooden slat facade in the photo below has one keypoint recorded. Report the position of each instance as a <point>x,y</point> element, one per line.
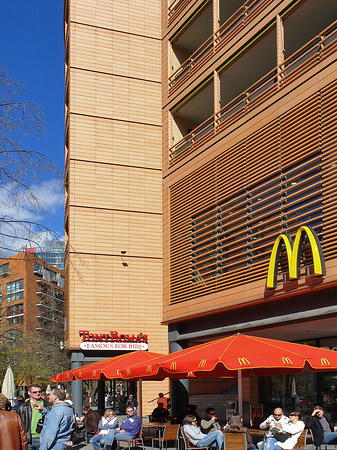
<point>263,164</point>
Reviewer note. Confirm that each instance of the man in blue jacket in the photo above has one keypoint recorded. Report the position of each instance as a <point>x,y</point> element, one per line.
<point>56,431</point>
<point>128,430</point>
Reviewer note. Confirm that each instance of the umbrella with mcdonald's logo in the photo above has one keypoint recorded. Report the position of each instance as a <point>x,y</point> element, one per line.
<point>236,356</point>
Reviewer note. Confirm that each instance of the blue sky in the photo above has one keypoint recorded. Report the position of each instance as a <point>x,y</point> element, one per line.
<point>32,52</point>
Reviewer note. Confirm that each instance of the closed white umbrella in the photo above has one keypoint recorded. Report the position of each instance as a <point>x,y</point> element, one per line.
<point>8,385</point>
<point>48,390</point>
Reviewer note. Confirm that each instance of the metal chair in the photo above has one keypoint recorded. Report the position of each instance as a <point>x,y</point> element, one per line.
<point>235,441</point>
<point>136,442</point>
<point>188,445</point>
<point>170,433</point>
<point>322,445</point>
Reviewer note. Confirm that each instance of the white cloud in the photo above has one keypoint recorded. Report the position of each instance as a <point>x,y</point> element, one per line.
<point>18,235</point>
<point>49,195</point>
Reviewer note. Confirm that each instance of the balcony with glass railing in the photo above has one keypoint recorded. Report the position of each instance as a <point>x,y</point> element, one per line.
<point>245,100</point>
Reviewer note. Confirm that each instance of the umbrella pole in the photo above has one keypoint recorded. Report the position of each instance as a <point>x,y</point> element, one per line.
<point>240,391</point>
<point>140,388</point>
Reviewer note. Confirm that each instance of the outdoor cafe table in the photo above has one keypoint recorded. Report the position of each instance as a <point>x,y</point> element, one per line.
<point>257,434</point>
<point>158,426</point>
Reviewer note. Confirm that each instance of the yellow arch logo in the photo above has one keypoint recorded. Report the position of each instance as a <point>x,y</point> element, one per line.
<point>128,371</point>
<point>294,251</point>
<point>149,368</point>
<point>202,363</point>
<point>244,362</point>
<point>173,366</point>
<point>286,360</point>
<point>80,374</point>
<point>325,362</point>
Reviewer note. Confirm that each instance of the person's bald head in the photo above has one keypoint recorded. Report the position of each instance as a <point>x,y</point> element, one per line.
<point>278,412</point>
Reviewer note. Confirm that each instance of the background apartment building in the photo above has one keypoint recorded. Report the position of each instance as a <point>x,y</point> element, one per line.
<point>113,176</point>
<point>249,152</point>
<point>50,251</point>
<point>32,300</point>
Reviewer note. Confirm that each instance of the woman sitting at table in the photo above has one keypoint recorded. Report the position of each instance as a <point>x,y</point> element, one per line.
<point>196,437</point>
<point>294,428</point>
<point>108,422</point>
<point>235,425</point>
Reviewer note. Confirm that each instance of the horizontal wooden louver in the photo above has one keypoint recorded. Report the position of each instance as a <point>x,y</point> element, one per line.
<point>225,216</point>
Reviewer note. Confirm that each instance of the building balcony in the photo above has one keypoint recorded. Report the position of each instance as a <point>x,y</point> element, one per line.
<point>52,283</point>
<point>201,129</point>
<point>199,55</point>
<point>57,311</point>
<point>175,8</point>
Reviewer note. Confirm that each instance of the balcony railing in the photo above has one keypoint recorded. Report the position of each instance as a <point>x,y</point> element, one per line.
<point>175,9</point>
<point>228,30</point>
<point>300,62</point>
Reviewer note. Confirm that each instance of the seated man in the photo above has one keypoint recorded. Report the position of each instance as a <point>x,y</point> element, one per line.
<point>322,429</point>
<point>210,422</point>
<point>128,430</point>
<point>91,420</point>
<point>160,413</point>
<point>273,422</point>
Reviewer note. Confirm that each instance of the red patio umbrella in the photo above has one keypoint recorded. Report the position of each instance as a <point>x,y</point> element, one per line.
<point>107,369</point>
<point>236,356</point>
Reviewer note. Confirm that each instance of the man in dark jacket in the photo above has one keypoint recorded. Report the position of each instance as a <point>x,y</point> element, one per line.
<point>30,414</point>
<point>91,420</point>
<point>322,429</point>
<point>12,431</point>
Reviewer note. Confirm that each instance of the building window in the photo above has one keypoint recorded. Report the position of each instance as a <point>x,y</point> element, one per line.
<point>4,270</point>
<point>14,314</point>
<point>14,290</point>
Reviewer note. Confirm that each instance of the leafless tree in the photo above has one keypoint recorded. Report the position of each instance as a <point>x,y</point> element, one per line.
<point>20,168</point>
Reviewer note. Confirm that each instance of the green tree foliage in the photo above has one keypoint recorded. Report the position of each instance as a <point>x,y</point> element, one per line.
<point>32,359</point>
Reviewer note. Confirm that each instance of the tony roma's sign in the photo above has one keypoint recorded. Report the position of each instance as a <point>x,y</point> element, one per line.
<point>113,341</point>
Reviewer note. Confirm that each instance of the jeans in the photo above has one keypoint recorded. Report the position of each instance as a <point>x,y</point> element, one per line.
<point>330,437</point>
<point>270,444</point>
<point>35,445</point>
<point>97,440</point>
<point>114,435</point>
<point>266,444</point>
<point>215,436</point>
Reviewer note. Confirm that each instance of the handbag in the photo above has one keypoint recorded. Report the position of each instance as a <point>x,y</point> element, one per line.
<point>281,436</point>
<point>76,435</point>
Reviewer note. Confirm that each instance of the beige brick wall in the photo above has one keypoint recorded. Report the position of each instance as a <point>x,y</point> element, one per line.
<point>114,159</point>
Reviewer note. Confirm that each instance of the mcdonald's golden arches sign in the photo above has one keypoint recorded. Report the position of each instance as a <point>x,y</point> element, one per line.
<point>294,251</point>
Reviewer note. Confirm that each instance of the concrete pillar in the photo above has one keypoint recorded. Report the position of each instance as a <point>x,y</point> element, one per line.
<point>179,388</point>
<point>76,386</point>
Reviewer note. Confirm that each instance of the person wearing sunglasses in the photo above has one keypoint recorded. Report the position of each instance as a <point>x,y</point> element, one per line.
<point>199,439</point>
<point>31,414</point>
<point>274,423</point>
<point>292,431</point>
